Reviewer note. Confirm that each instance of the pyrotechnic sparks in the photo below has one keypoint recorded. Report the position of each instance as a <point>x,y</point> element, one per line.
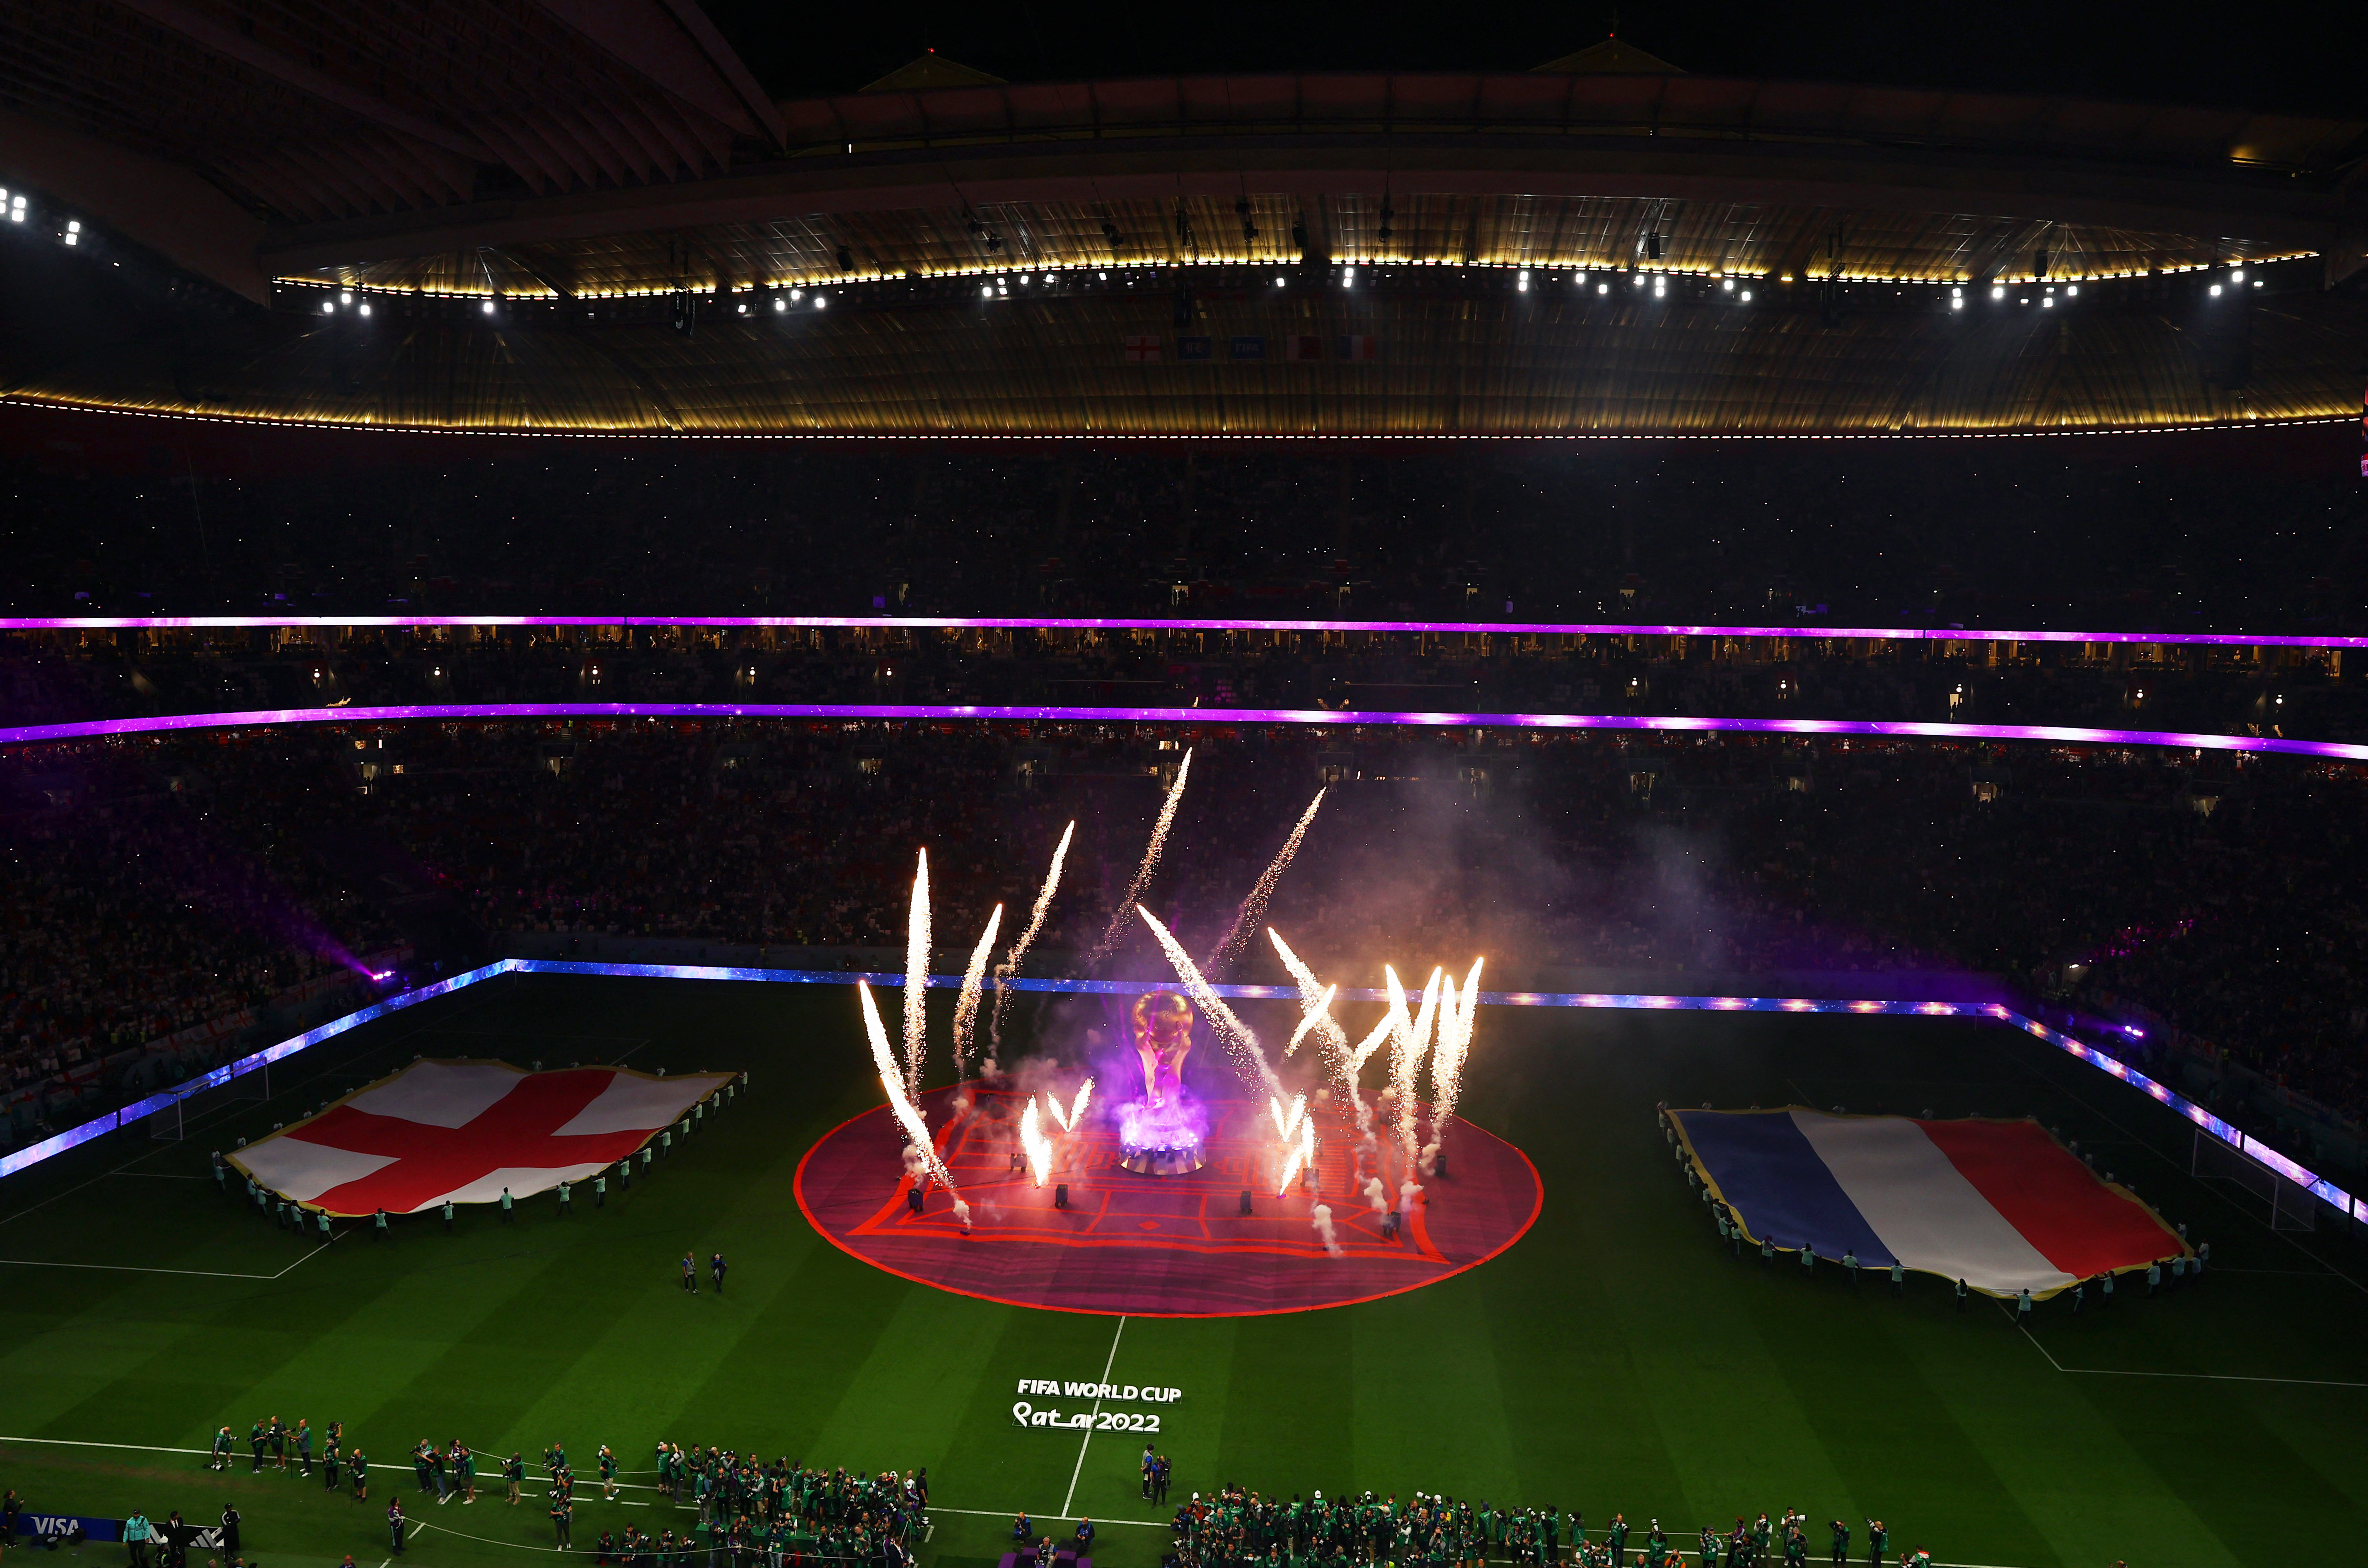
<point>1317,1017</point>
<point>892,1080</point>
<point>1247,1053</point>
<point>1458,1015</point>
<point>1409,1038</point>
<point>1142,873</point>
<point>1302,1156</point>
<point>1076,1111</point>
<point>1228,948</point>
<point>1285,1123</point>
<point>966,1002</point>
<point>1316,999</point>
<point>1011,961</point>
<point>916,979</point>
<point>1039,1147</point>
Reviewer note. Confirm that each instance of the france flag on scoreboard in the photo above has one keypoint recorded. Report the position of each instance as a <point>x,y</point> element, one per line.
<point>1999,1204</point>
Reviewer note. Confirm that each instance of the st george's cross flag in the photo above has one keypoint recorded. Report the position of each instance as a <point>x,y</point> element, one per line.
<point>2000,1205</point>
<point>464,1130</point>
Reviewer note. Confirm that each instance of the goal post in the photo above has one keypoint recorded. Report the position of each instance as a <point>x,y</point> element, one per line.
<point>2289,1207</point>
<point>199,1101</point>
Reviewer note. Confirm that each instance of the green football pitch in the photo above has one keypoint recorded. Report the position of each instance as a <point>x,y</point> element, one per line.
<point>1614,1359</point>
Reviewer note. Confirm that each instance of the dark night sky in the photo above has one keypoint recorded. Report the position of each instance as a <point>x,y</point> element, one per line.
<point>2294,59</point>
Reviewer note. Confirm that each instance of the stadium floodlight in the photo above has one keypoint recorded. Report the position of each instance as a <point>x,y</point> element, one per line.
<point>73,231</point>
<point>2215,290</point>
<point>1603,288</point>
<point>2071,288</point>
<point>1523,282</point>
<point>488,307</point>
<point>1277,282</point>
<point>1579,278</point>
<point>328,307</point>
<point>797,293</point>
<point>1348,277</point>
<point>1660,289</point>
<point>1956,301</point>
<point>987,290</point>
<point>365,309</point>
<point>1998,290</point>
<point>1726,284</point>
<point>779,304</point>
<point>2048,303</point>
<point>345,296</point>
<point>820,301</point>
<point>2237,276</point>
<point>1746,296</point>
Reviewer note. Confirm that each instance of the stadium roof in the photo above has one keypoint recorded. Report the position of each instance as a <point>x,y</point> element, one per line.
<point>1164,254</point>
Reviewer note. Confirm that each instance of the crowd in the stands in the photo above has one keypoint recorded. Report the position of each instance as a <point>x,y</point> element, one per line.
<point>133,908</point>
<point>147,883</point>
<point>2222,531</point>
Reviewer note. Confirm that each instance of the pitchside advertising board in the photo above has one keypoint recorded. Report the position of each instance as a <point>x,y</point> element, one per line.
<point>1094,1417</point>
<point>60,1526</point>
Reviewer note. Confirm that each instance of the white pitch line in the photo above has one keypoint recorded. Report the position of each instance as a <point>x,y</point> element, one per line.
<point>145,1268</point>
<point>134,1268</point>
<point>1086,1442</point>
<point>2201,1377</point>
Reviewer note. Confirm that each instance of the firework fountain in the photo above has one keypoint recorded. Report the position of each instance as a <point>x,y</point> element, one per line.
<point>1012,959</point>
<point>1162,1129</point>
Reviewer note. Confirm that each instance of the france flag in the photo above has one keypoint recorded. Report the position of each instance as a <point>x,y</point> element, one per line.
<point>1999,1204</point>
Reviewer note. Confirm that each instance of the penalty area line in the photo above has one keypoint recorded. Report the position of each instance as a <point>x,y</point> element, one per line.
<point>2197,1377</point>
<point>147,1268</point>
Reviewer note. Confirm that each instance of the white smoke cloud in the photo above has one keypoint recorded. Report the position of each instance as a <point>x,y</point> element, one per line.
<point>1321,1217</point>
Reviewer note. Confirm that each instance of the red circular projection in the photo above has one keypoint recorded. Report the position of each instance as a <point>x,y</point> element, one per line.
<point>1160,1245</point>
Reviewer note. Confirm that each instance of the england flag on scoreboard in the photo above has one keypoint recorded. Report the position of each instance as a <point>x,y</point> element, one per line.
<point>464,1130</point>
<point>1142,348</point>
<point>2000,1205</point>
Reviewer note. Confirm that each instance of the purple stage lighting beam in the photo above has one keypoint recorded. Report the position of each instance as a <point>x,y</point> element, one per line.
<point>1897,728</point>
<point>1041,623</point>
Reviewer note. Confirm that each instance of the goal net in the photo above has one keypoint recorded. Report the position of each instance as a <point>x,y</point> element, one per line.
<point>203,1107</point>
<point>2288,1207</point>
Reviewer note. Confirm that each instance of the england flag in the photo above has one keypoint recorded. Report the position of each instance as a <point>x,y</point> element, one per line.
<point>464,1130</point>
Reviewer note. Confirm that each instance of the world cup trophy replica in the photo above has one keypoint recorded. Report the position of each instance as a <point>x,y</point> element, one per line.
<point>1162,1132</point>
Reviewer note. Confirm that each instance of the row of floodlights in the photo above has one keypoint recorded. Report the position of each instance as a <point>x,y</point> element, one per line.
<point>1000,288</point>
<point>1002,282</point>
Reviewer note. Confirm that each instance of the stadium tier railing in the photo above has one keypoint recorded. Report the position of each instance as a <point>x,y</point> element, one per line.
<point>2206,1124</point>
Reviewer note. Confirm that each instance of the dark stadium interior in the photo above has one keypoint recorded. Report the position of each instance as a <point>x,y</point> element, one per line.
<point>1727,505</point>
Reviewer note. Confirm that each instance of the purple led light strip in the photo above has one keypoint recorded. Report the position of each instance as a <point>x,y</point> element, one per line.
<point>1042,623</point>
<point>1910,729</point>
<point>1892,1007</point>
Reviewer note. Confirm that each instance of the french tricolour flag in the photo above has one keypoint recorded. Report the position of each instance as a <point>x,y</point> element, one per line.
<point>1999,1204</point>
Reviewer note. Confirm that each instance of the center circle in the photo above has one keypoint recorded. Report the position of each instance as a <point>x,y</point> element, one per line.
<point>1164,1245</point>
